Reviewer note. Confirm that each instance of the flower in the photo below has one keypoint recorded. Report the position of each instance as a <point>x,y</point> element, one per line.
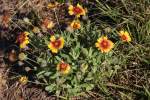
<point>124,35</point>
<point>76,10</point>
<point>20,63</point>
<point>25,19</point>
<point>52,5</point>
<point>23,80</point>
<point>23,39</point>
<point>36,30</point>
<point>56,44</point>
<point>28,69</point>
<point>63,67</point>
<point>22,56</point>
<point>75,24</point>
<point>12,55</point>
<point>48,23</point>
<point>104,44</point>
<point>5,19</point>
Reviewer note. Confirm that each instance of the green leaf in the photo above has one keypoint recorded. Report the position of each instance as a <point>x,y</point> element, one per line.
<point>55,75</point>
<point>84,67</point>
<point>58,58</point>
<point>147,91</point>
<point>66,86</point>
<point>39,59</point>
<point>47,73</point>
<point>90,53</point>
<point>85,51</point>
<point>94,69</point>
<point>88,87</point>
<point>43,63</point>
<point>50,88</point>
<point>40,74</point>
<point>66,57</point>
<point>88,79</point>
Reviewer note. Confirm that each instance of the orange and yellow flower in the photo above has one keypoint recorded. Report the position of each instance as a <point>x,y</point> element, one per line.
<point>75,24</point>
<point>76,10</point>
<point>104,44</point>
<point>124,35</point>
<point>63,67</point>
<point>23,80</point>
<point>56,44</point>
<point>23,39</point>
<point>48,23</point>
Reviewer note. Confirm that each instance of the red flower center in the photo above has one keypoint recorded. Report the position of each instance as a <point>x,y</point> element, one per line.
<point>123,37</point>
<point>56,43</point>
<point>21,38</point>
<point>77,10</point>
<point>75,25</point>
<point>5,19</point>
<point>104,44</point>
<point>63,66</point>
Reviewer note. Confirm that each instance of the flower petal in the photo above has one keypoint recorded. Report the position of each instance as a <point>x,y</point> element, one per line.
<point>70,7</point>
<point>52,38</point>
